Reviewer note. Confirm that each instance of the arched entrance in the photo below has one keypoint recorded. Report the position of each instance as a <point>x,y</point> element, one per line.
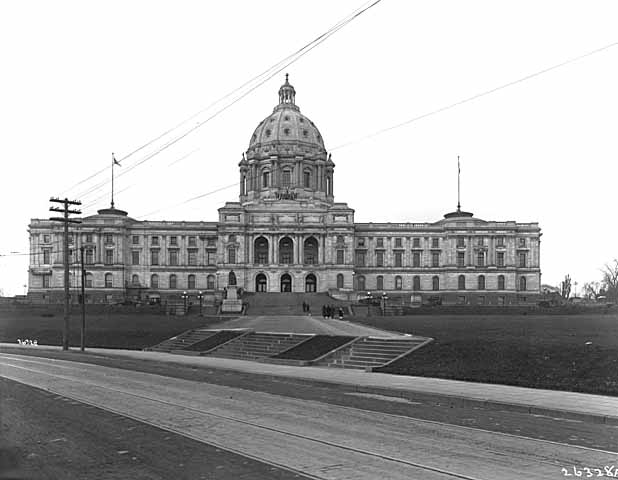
<point>286,283</point>
<point>260,283</point>
<point>310,283</point>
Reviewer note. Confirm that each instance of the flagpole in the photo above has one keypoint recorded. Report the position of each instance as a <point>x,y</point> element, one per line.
<point>113,179</point>
<point>458,187</point>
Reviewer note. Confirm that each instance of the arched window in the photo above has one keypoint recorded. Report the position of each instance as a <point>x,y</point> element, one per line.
<point>135,280</point>
<point>329,186</point>
<point>286,250</point>
<point>380,282</point>
<point>210,282</point>
<point>154,281</point>
<point>307,179</point>
<point>340,280</point>
<point>360,282</point>
<point>481,282</point>
<point>260,251</point>
<point>435,283</point>
<point>522,284</point>
<point>265,179</point>
<point>398,283</point>
<point>500,282</point>
<point>243,187</point>
<point>191,282</point>
<point>310,251</point>
<point>173,281</point>
<point>231,255</point>
<point>286,178</point>
<point>109,280</point>
<point>89,280</point>
<point>461,282</point>
<point>416,283</point>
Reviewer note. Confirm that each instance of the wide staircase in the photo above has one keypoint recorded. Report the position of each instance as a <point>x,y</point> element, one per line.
<point>372,352</point>
<point>258,345</point>
<point>290,303</point>
<point>182,341</point>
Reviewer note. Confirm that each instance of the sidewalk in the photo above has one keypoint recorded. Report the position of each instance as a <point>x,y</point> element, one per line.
<point>553,403</point>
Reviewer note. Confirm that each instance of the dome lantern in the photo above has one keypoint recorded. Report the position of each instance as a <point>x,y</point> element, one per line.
<point>287,94</point>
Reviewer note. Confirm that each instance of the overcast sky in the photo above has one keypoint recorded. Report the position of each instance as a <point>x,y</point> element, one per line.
<point>83,79</point>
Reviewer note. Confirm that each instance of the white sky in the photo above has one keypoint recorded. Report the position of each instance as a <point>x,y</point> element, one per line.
<point>82,79</point>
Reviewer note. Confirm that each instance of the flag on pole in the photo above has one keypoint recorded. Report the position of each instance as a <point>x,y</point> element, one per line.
<point>116,161</point>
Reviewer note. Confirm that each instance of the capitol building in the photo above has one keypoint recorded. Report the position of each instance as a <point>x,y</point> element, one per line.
<point>286,233</point>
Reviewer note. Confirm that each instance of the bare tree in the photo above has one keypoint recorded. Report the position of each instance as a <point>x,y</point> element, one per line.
<point>610,280</point>
<point>565,287</point>
<point>592,290</point>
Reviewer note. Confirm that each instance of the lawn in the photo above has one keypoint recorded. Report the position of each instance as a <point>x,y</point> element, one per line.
<point>569,352</point>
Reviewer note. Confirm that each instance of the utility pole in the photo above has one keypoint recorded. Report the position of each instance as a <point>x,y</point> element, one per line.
<point>83,332</point>
<point>66,220</point>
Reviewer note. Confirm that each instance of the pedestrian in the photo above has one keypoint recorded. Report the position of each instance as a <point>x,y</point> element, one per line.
<point>324,312</point>
<point>340,313</point>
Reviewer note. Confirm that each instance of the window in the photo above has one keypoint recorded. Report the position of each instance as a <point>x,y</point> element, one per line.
<point>89,256</point>
<point>340,240</point>
<point>46,281</point>
<point>46,256</point>
<point>173,257</point>
<point>135,239</point>
<point>435,283</point>
<point>135,257</point>
<point>435,259</point>
<point>522,259</point>
<point>380,282</point>
<point>109,280</point>
<point>340,257</point>
<point>329,186</point>
<point>461,242</point>
<point>89,281</point>
<point>191,282</point>
<point>461,259</point>
<point>416,243</point>
<point>108,238</point>
<point>398,259</point>
<point>379,259</point>
<point>174,241</point>
<point>260,251</point>
<point>416,283</point>
<point>211,257</point>
<point>173,283</point>
<point>109,257</point>
<point>286,178</point>
<point>154,257</point>
<point>500,282</point>
<point>192,242</point>
<point>398,242</point>
<point>154,281</point>
<point>481,300</point>
<point>231,238</point>
<point>480,259</point>
<point>307,179</point>
<point>340,280</point>
<point>481,284</point>
<point>361,282</point>
<point>265,179</point>
<point>461,300</point>
<point>310,250</point>
<point>416,259</point>
<point>89,238</point>
<point>211,242</point>
<point>480,241</point>
<point>135,280</point>
<point>522,284</point>
<point>398,283</point>
<point>360,259</point>
<point>522,242</point>
<point>231,255</point>
<point>154,241</point>
<point>461,282</point>
<point>380,242</point>
<point>499,241</point>
<point>210,282</point>
<point>360,242</point>
<point>192,256</point>
<point>46,238</point>
<point>500,259</point>
<point>435,243</point>
<point>70,239</point>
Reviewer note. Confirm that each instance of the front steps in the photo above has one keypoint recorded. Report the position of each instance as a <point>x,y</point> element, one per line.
<point>182,341</point>
<point>255,345</point>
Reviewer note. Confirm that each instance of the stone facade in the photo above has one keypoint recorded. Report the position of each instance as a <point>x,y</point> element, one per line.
<point>287,234</point>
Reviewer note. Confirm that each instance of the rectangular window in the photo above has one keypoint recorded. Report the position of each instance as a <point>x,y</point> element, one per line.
<point>522,259</point>
<point>380,242</point>
<point>174,240</point>
<point>416,259</point>
<point>89,256</point>
<point>500,259</point>
<point>108,238</point>
<point>46,256</point>
<point>286,178</point>
<point>173,257</point>
<point>435,243</point>
<point>522,242</point>
<point>154,257</point>
<point>480,241</point>
<point>211,257</point>
<point>46,281</point>
<point>435,259</point>
<point>480,261</point>
<point>46,238</point>
<point>481,300</point>
<point>398,242</point>
<point>135,239</point>
<point>88,281</point>
<point>416,243</point>
<point>340,257</point>
<point>461,242</point>
<point>89,238</point>
<point>307,179</point>
<point>500,241</point>
<point>461,259</point>
<point>109,257</point>
<point>192,241</point>
<point>379,259</point>
<point>398,259</point>
<point>231,255</point>
<point>192,257</point>
<point>135,257</point>
<point>211,242</point>
<point>360,259</point>
<point>154,241</point>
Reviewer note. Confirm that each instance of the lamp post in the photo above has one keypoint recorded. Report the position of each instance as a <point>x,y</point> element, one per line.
<point>184,296</point>
<point>200,296</point>
<point>383,303</point>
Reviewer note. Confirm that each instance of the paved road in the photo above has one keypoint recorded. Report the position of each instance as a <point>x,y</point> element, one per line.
<point>323,441</point>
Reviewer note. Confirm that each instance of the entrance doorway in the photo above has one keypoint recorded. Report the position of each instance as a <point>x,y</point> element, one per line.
<point>260,283</point>
<point>310,283</point>
<point>286,283</point>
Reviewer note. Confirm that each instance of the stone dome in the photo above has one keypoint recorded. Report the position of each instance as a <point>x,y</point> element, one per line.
<point>286,125</point>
